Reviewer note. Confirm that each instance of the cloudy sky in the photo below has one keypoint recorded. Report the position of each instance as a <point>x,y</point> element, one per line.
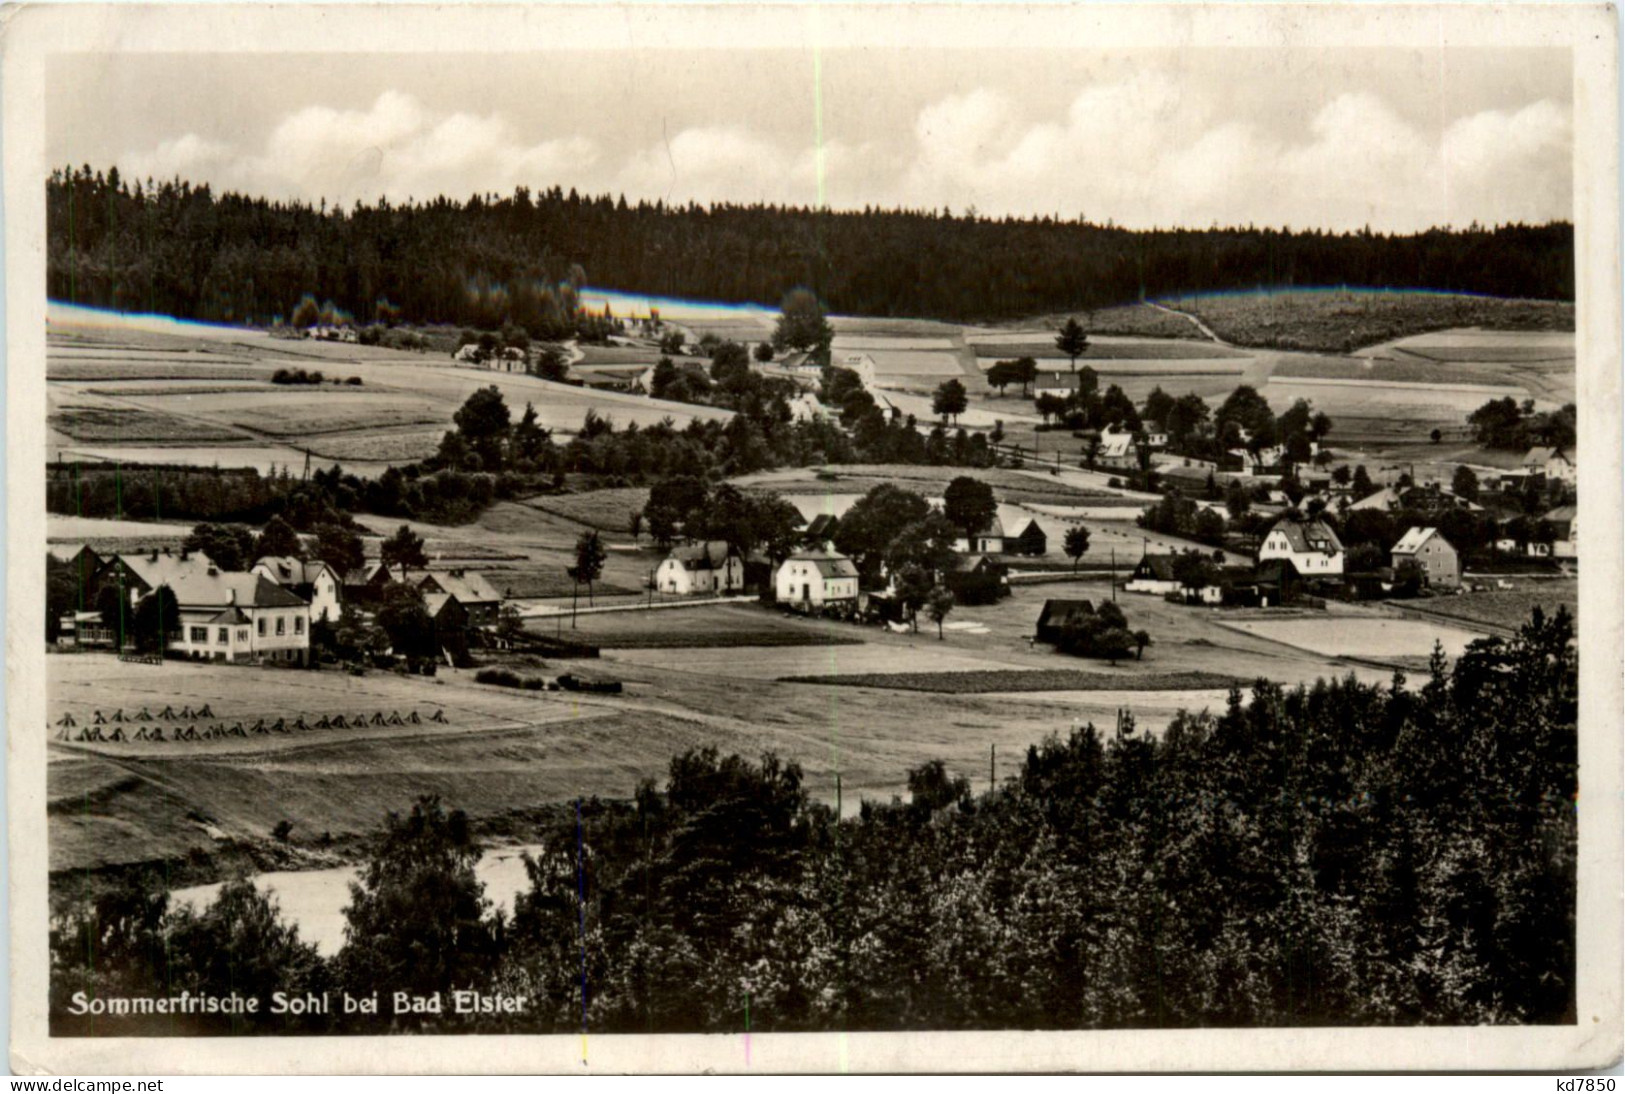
<point>1400,140</point>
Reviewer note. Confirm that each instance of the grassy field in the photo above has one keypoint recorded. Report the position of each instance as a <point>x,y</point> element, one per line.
<point>113,424</point>
<point>607,510</point>
<point>1389,370</point>
<point>709,627</point>
<point>1010,486</point>
<point>1340,321</point>
<point>1504,609</point>
<point>395,447</point>
<point>1135,320</point>
<point>1163,350</point>
<point>1012,680</point>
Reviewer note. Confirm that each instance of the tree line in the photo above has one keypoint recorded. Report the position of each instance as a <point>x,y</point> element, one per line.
<point>1336,854</point>
<point>178,248</point>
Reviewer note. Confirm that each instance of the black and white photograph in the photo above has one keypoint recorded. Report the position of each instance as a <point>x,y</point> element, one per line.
<point>839,521</point>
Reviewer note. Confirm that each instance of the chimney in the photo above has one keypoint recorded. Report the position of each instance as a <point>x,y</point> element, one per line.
<point>155,554</point>
<point>231,597</point>
<point>213,572</point>
<point>185,554</point>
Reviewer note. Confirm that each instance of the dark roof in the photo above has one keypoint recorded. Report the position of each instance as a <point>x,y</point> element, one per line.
<point>824,524</point>
<point>1275,571</point>
<point>710,555</point>
<point>1058,612</point>
<point>1309,535</point>
<point>1161,566</point>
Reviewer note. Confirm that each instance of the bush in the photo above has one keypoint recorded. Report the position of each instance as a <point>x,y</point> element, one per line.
<point>500,677</point>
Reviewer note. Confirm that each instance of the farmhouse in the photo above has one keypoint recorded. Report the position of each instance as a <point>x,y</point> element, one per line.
<point>450,620</point>
<point>805,407</point>
<point>1276,582</point>
<point>1059,614</point>
<point>477,596</point>
<point>83,630</point>
<point>363,586</point>
<point>1310,545</point>
<point>314,582</point>
<point>982,579</point>
<point>701,569</point>
<point>1116,449</point>
<point>989,541</point>
<point>817,579</point>
<point>1153,574</point>
<point>1554,463</point>
<point>1433,553</point>
<point>137,574</point>
<point>1031,540</point>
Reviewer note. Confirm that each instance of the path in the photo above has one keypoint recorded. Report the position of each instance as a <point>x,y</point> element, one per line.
<point>548,611</point>
<point>1207,331</point>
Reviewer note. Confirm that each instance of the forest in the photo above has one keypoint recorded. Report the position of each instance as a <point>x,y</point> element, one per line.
<point>1336,854</point>
<point>179,249</point>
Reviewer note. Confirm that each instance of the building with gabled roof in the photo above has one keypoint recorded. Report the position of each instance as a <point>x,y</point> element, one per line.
<point>1153,574</point>
<point>1310,545</point>
<point>1564,524</point>
<point>477,595</point>
<point>310,579</point>
<point>817,580</point>
<point>1030,540</point>
<point>1428,548</point>
<point>711,568</point>
<point>1058,614</point>
<point>989,541</point>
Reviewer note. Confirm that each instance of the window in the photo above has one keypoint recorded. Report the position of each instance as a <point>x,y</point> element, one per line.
<point>281,625</point>
<point>199,635</point>
<point>298,624</point>
<point>242,634</point>
<point>261,622</point>
<point>223,635</point>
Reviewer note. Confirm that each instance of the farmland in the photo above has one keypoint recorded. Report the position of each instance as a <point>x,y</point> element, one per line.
<point>1115,349</point>
<point>1015,680</point>
<point>1504,610</point>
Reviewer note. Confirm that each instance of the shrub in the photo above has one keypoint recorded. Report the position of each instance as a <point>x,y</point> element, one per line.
<point>499,677</point>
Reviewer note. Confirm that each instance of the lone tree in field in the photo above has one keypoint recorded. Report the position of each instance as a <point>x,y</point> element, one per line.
<point>950,400</point>
<point>590,556</point>
<point>405,550</point>
<point>970,504</point>
<point>801,324</point>
<point>938,605</point>
<point>1072,341</point>
<point>1076,543</point>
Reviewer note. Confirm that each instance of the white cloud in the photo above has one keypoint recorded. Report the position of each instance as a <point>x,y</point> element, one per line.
<point>394,148</point>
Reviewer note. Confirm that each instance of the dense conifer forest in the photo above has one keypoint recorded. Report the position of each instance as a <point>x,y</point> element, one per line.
<point>180,249</point>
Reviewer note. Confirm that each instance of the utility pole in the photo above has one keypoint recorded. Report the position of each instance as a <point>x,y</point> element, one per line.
<point>1114,575</point>
<point>837,797</point>
<point>992,767</point>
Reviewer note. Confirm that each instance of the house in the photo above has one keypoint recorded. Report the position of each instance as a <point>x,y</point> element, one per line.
<point>77,558</point>
<point>1310,545</point>
<point>364,586</point>
<point>450,621</point>
<point>1116,449</point>
<point>1031,540</point>
<point>477,595</point>
<point>989,541</point>
<point>1055,383</point>
<point>701,569</point>
<point>820,531</point>
<point>982,579</point>
<point>1433,553</point>
<point>1565,531</point>
<point>223,616</point>
<point>1553,462</point>
<point>860,363</point>
<point>1153,574</point>
<point>1058,615</point>
<point>1382,500</point>
<point>817,579</point>
<point>314,582</point>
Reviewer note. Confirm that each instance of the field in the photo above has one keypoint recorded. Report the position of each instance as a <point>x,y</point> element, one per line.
<point>607,510</point>
<point>1015,680</point>
<point>121,383</point>
<point>1385,639</point>
<point>1503,609</point>
<point>1138,320</point>
<point>1113,350</point>
<point>1340,321</point>
<point>710,627</point>
<point>1387,370</point>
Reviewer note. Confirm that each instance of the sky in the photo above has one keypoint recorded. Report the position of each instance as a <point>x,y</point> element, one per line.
<point>1394,139</point>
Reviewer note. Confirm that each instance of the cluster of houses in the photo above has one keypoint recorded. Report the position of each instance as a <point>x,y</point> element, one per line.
<point>817,578</point>
<point>1298,555</point>
<point>266,613</point>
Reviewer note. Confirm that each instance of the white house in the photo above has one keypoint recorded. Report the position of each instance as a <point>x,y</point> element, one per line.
<point>1154,574</point>
<point>699,569</point>
<point>860,363</point>
<point>816,579</point>
<point>989,541</point>
<point>1554,463</point>
<point>224,616</point>
<point>1310,545</point>
<point>1433,553</point>
<point>1565,526</point>
<point>314,582</point>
